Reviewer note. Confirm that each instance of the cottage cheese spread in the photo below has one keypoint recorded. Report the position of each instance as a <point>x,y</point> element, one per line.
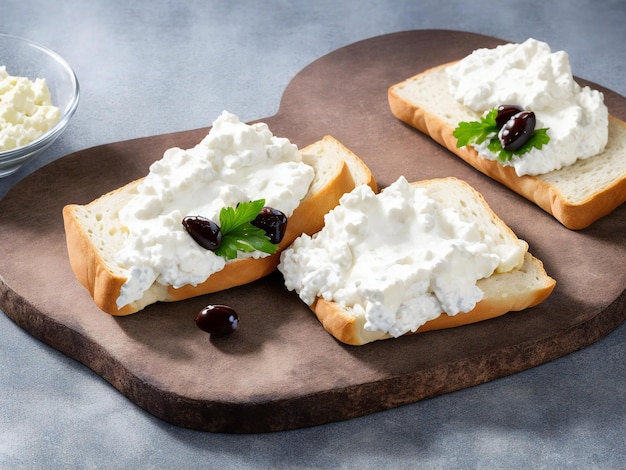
<point>26,111</point>
<point>399,258</point>
<point>531,76</point>
<point>234,163</point>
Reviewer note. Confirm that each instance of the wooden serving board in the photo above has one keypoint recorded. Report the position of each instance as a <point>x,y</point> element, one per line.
<point>281,370</point>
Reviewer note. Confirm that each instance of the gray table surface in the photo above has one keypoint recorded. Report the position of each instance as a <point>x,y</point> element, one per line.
<point>154,67</point>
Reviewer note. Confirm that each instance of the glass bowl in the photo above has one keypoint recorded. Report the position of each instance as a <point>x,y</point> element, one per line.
<point>28,59</point>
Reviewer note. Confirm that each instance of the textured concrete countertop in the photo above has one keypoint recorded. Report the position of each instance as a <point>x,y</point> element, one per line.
<point>148,68</point>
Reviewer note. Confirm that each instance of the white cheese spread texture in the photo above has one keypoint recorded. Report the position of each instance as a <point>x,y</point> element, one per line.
<point>235,162</point>
<point>531,76</point>
<point>399,258</point>
<point>26,110</point>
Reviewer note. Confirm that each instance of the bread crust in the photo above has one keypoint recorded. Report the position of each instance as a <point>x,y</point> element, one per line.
<point>341,323</point>
<point>575,216</point>
<point>87,263</point>
<point>104,285</point>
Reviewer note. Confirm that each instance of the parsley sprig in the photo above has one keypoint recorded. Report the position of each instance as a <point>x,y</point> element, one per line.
<point>238,234</point>
<point>476,132</point>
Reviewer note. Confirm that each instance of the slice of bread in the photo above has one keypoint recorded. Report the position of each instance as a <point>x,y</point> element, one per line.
<point>576,195</point>
<point>94,232</point>
<point>523,285</point>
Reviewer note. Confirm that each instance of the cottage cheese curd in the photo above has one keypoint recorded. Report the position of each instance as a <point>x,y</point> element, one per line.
<point>399,258</point>
<point>235,162</point>
<point>26,111</point>
<point>531,76</point>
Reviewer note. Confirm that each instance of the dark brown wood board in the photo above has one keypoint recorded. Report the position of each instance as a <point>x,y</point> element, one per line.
<point>281,370</point>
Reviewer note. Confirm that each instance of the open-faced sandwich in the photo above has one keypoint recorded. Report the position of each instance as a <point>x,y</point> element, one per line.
<point>208,218</point>
<point>516,114</point>
<point>414,257</point>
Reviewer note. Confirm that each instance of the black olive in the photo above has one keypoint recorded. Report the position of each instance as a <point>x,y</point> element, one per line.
<point>273,222</point>
<point>217,319</point>
<point>506,112</point>
<point>204,231</point>
<point>517,130</point>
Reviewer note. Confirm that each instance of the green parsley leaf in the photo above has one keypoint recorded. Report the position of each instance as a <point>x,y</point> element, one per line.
<point>238,234</point>
<point>233,217</point>
<point>476,132</point>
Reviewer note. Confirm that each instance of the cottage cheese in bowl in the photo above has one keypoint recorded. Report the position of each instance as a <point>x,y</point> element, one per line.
<point>26,110</point>
<point>39,94</point>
